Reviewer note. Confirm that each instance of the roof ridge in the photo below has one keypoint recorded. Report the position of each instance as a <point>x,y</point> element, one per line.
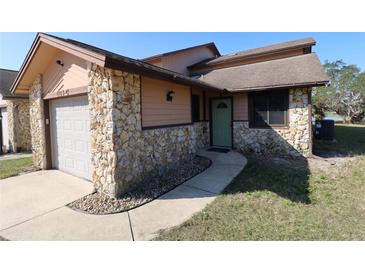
<point>276,44</point>
<point>277,47</point>
<point>273,60</point>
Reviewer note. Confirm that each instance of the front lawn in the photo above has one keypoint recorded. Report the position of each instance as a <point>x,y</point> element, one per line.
<point>317,199</point>
<point>14,167</point>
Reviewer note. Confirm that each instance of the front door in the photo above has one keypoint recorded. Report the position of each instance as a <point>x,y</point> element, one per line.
<point>221,109</point>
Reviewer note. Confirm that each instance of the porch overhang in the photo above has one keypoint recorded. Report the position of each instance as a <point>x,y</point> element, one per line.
<point>299,71</point>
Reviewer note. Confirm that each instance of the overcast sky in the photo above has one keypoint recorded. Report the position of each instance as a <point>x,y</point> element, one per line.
<point>330,46</point>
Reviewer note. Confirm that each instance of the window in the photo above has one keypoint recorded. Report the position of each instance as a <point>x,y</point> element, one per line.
<point>269,108</point>
<point>195,111</point>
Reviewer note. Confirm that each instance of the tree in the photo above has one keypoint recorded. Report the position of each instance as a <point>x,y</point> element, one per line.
<point>345,94</point>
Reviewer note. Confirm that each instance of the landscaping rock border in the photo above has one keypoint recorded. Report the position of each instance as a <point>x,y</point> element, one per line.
<point>100,204</point>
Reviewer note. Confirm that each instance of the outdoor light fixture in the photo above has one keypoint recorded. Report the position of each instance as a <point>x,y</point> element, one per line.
<point>59,62</point>
<point>170,95</point>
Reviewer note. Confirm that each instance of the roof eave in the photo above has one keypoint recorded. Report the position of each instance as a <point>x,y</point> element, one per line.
<point>105,60</point>
<point>156,72</point>
<point>58,43</point>
<point>294,85</point>
<point>200,65</point>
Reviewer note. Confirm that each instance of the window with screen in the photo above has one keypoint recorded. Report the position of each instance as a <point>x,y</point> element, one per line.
<point>195,108</point>
<point>269,108</point>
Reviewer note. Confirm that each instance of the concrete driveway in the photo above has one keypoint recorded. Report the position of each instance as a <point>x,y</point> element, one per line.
<point>34,205</point>
<point>30,195</point>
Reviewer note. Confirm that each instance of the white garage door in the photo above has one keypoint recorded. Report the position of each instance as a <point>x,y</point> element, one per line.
<point>70,133</point>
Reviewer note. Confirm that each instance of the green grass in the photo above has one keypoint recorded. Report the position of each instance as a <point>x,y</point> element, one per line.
<point>350,140</point>
<point>269,201</point>
<point>10,168</point>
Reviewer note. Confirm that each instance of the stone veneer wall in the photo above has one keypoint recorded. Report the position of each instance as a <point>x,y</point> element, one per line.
<point>294,141</point>
<point>37,127</point>
<point>123,154</point>
<point>156,150</point>
<point>19,125</point>
<point>103,157</point>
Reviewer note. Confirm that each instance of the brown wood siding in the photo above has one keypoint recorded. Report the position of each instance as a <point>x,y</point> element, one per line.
<point>249,60</point>
<point>179,61</point>
<point>240,107</point>
<point>156,62</point>
<point>69,79</point>
<point>157,111</point>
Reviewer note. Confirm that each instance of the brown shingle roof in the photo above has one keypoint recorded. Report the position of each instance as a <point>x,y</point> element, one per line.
<point>7,78</point>
<point>302,70</point>
<point>258,51</point>
<point>120,62</point>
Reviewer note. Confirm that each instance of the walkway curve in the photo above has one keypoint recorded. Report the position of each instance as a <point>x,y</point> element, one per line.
<point>142,223</point>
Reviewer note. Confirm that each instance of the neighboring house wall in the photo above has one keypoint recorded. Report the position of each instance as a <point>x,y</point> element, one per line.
<point>179,61</point>
<point>295,140</point>
<point>37,125</point>
<point>157,111</point>
<point>19,125</point>
<point>3,103</point>
<point>4,129</point>
<point>4,125</point>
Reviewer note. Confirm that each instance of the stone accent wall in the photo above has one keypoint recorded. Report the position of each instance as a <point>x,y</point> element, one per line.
<point>293,141</point>
<point>157,150</point>
<point>19,125</point>
<point>103,157</point>
<point>123,154</point>
<point>37,126</point>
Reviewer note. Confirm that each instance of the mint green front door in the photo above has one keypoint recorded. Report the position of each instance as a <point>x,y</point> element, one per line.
<point>221,122</point>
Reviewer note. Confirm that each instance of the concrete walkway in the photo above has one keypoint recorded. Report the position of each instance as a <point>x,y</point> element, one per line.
<point>143,223</point>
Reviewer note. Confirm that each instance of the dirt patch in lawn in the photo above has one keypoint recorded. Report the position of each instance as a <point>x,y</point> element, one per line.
<point>98,203</point>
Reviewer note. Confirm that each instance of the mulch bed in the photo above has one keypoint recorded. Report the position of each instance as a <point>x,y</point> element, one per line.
<point>98,203</point>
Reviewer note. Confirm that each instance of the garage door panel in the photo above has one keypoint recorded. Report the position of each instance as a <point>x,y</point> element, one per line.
<point>70,128</point>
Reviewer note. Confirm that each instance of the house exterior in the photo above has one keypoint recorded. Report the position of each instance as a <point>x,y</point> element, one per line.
<point>14,116</point>
<point>116,120</point>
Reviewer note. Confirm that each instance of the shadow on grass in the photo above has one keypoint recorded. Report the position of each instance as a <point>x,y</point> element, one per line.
<point>287,178</point>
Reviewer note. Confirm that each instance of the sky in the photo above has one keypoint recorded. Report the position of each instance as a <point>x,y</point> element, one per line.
<point>350,47</point>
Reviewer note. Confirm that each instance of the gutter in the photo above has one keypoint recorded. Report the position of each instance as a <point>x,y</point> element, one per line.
<point>259,88</point>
